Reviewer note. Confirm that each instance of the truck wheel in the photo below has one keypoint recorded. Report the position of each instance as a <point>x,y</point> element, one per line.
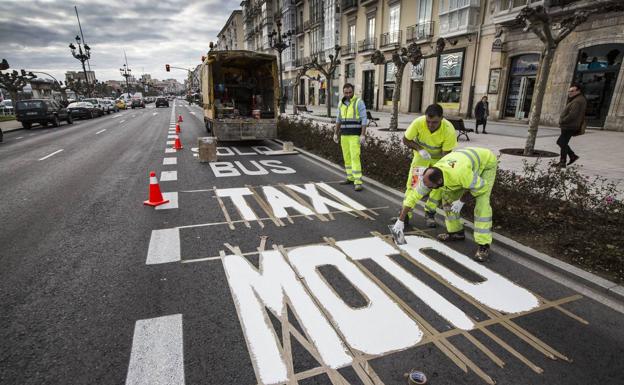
<point>56,122</point>
<point>27,126</point>
<point>44,124</point>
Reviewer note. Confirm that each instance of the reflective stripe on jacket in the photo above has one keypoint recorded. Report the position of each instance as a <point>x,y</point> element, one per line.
<point>462,169</point>
<point>350,122</point>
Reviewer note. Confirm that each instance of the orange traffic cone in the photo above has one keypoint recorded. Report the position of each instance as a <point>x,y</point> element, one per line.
<point>177,128</point>
<point>178,144</point>
<point>155,196</point>
<point>180,118</point>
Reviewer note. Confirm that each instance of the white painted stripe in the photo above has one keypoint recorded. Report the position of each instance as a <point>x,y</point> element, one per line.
<point>164,246</point>
<point>155,113</point>
<point>169,150</point>
<point>116,116</point>
<point>52,154</point>
<point>169,161</point>
<point>192,112</point>
<point>122,121</point>
<point>99,132</point>
<point>19,137</point>
<point>168,176</point>
<point>171,136</point>
<point>157,356</point>
<point>171,142</point>
<point>173,201</point>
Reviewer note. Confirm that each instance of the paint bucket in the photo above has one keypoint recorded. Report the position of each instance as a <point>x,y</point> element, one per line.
<point>255,114</point>
<point>414,377</point>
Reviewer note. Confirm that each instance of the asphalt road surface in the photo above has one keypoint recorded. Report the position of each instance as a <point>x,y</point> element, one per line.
<point>262,269</point>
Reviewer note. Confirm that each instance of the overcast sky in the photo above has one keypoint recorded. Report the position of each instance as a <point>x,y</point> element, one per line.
<point>35,35</point>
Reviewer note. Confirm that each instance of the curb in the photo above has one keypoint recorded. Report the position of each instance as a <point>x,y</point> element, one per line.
<point>592,281</point>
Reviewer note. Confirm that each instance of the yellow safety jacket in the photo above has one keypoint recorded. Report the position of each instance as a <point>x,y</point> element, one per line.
<point>442,140</point>
<point>350,122</point>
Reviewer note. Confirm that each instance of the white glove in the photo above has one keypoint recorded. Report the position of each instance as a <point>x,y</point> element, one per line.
<point>398,226</point>
<point>424,154</point>
<point>336,138</point>
<point>457,206</point>
<point>362,139</point>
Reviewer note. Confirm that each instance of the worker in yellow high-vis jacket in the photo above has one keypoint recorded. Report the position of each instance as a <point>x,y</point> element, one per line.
<point>351,129</point>
<point>464,173</point>
<point>431,137</point>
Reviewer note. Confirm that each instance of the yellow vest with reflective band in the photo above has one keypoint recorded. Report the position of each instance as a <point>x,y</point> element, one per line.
<point>350,122</point>
<point>443,139</point>
<point>462,169</point>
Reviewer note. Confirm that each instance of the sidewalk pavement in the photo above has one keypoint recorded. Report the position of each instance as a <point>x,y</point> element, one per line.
<point>10,125</point>
<point>600,151</point>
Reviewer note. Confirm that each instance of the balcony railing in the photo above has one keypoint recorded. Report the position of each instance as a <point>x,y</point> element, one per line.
<point>348,50</point>
<point>390,39</point>
<point>267,20</point>
<point>298,29</point>
<point>298,62</point>
<point>306,25</point>
<point>349,6</point>
<point>369,44</point>
<point>320,55</point>
<point>422,31</point>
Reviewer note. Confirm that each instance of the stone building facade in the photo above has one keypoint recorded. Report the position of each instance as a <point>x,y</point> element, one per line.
<point>231,36</point>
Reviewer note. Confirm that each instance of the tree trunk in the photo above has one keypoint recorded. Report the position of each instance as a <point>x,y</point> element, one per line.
<point>14,95</point>
<point>396,95</point>
<point>328,96</point>
<point>538,98</point>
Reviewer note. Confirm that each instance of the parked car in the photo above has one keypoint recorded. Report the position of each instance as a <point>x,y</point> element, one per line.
<point>82,110</point>
<point>110,105</point>
<point>137,102</point>
<point>120,104</point>
<point>98,104</point>
<point>6,107</point>
<point>162,102</point>
<point>42,111</point>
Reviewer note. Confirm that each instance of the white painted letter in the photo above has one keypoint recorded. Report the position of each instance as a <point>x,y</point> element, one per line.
<point>236,194</point>
<point>341,196</point>
<point>280,201</point>
<point>274,167</point>
<point>224,151</point>
<point>320,203</point>
<point>223,169</point>
<point>261,170</point>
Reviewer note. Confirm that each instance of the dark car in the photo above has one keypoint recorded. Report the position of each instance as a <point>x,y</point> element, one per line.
<point>42,111</point>
<point>137,102</point>
<point>162,102</point>
<point>83,110</point>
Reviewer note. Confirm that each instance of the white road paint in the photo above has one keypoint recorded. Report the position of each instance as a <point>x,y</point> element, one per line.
<point>236,194</point>
<point>319,202</point>
<point>341,196</point>
<point>171,142</point>
<point>496,291</point>
<point>170,161</point>
<point>99,132</point>
<point>155,113</point>
<point>164,246</point>
<point>377,328</point>
<point>280,202</point>
<point>19,137</point>
<point>52,154</point>
<point>170,150</point>
<point>171,136</point>
<point>253,290</point>
<point>379,251</point>
<point>168,176</point>
<point>173,201</point>
<point>157,356</point>
<point>121,121</point>
<point>193,112</point>
<point>229,169</point>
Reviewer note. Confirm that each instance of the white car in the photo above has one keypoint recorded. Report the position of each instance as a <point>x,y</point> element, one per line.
<point>99,104</point>
<point>6,107</point>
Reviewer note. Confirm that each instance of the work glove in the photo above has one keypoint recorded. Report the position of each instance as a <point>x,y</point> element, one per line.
<point>362,139</point>
<point>398,226</point>
<point>424,154</point>
<point>336,138</point>
<point>456,206</point>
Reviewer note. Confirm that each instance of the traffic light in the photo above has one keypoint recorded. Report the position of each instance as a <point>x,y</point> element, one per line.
<point>167,67</point>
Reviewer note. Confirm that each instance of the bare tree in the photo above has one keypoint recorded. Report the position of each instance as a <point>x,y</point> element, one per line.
<point>14,81</point>
<point>328,69</point>
<point>411,54</point>
<point>538,21</point>
<point>80,87</point>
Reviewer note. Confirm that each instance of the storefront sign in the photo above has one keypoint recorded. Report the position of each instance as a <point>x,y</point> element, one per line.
<point>494,80</point>
<point>497,46</point>
<point>450,66</point>
<point>418,72</point>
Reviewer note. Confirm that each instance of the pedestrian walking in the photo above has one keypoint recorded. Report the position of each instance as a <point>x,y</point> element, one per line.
<point>430,137</point>
<point>482,111</point>
<point>572,123</point>
<point>350,132</point>
<point>460,175</point>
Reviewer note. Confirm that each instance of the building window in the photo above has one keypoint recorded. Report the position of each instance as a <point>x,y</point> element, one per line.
<point>424,11</point>
<point>395,16</point>
<point>370,28</point>
<point>389,82</point>
<point>350,70</point>
<point>351,36</point>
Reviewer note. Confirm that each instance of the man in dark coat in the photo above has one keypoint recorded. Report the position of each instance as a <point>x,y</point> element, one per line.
<point>482,111</point>
<point>571,120</point>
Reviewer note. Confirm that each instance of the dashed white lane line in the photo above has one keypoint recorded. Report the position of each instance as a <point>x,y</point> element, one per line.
<point>193,112</point>
<point>171,142</point>
<point>99,132</point>
<point>52,154</point>
<point>171,136</point>
<point>122,121</point>
<point>155,113</point>
<point>31,134</point>
<point>164,247</point>
<point>19,137</point>
<point>157,356</point>
<point>170,150</point>
<point>168,176</point>
<point>173,201</point>
<point>170,161</point>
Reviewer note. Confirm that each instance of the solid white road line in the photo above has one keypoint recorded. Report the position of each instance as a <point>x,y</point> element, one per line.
<point>52,154</point>
<point>171,136</point>
<point>122,121</point>
<point>168,176</point>
<point>164,246</point>
<point>170,161</point>
<point>19,137</point>
<point>157,356</point>
<point>173,201</point>
<point>170,150</point>
<point>171,142</point>
<point>99,132</point>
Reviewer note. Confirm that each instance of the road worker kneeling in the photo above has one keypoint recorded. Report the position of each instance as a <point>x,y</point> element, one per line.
<point>460,175</point>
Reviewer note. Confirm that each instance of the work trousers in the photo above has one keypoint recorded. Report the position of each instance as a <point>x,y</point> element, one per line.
<point>562,142</point>
<point>482,211</point>
<point>411,197</point>
<point>351,154</point>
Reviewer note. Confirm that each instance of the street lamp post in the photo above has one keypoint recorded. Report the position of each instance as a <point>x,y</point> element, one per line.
<point>125,72</point>
<point>279,42</point>
<point>83,56</point>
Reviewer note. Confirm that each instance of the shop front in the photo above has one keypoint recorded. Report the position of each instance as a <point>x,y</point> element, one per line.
<point>522,75</point>
<point>448,85</point>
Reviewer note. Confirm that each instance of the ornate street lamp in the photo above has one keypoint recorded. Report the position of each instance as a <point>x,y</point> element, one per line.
<point>280,41</point>
<point>125,72</point>
<point>83,56</point>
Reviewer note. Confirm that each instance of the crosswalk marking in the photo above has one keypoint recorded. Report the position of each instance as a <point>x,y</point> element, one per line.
<point>173,201</point>
<point>167,176</point>
<point>170,161</point>
<point>164,246</point>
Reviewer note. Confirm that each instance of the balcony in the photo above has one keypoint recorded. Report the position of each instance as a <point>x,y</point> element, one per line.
<point>348,50</point>
<point>298,62</point>
<point>320,55</point>
<point>390,39</point>
<point>267,21</point>
<point>348,6</point>
<point>367,45</point>
<point>298,29</point>
<point>367,2</point>
<point>306,25</point>
<point>419,32</point>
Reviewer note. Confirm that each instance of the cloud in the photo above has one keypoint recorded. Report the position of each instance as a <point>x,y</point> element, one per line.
<point>35,35</point>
